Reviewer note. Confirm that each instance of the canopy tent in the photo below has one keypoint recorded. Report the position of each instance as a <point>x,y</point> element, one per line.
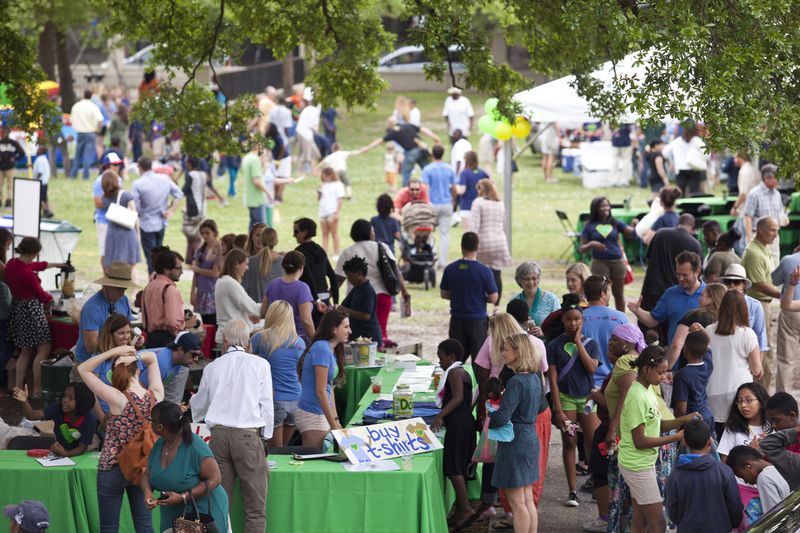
<point>558,101</point>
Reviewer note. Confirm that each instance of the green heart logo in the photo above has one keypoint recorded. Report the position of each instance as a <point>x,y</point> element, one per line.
<point>354,446</point>
<point>109,374</point>
<point>571,349</point>
<point>604,230</point>
<point>420,432</point>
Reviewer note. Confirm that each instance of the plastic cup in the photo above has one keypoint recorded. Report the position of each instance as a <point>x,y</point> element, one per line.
<point>390,362</point>
<point>377,381</point>
<point>408,462</point>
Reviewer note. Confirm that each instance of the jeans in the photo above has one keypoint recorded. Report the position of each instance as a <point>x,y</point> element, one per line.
<point>257,216</point>
<point>111,485</point>
<point>150,240</point>
<point>409,160</point>
<point>85,154</point>
<point>444,214</point>
<point>232,172</point>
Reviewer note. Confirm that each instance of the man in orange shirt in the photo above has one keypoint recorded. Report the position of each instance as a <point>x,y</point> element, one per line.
<point>162,306</point>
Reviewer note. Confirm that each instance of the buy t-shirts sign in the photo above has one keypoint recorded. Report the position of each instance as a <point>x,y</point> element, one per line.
<point>378,442</point>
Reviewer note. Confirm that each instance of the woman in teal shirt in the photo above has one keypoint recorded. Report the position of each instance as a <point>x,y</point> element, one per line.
<point>182,466</point>
<point>540,302</point>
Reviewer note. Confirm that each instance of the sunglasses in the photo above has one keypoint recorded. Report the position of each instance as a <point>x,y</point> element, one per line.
<point>733,281</point>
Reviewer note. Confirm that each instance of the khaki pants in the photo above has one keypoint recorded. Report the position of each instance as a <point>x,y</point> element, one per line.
<point>788,377</point>
<point>240,454</point>
<point>7,178</point>
<point>768,358</point>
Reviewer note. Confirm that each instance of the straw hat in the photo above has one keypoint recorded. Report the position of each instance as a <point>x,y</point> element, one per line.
<point>118,275</point>
<point>738,273</point>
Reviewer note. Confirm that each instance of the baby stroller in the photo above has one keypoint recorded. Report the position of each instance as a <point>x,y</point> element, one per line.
<point>419,255</point>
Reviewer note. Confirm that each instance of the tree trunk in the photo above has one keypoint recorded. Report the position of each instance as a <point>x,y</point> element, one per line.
<point>64,72</point>
<point>47,50</point>
<point>287,73</point>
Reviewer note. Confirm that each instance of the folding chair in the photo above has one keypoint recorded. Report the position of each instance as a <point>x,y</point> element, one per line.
<point>573,236</point>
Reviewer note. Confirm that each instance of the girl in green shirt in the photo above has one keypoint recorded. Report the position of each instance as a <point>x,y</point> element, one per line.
<point>640,426</point>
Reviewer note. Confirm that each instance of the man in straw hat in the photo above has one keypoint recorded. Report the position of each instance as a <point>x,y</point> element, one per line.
<point>458,114</point>
<point>108,300</point>
<point>735,278</point>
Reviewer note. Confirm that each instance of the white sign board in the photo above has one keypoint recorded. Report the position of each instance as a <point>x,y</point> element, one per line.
<point>27,195</point>
<point>202,431</point>
<point>379,442</point>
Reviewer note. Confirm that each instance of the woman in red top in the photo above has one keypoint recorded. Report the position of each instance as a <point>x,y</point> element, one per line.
<point>27,318</point>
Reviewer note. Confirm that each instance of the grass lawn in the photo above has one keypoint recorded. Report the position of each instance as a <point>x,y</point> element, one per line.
<point>536,232</point>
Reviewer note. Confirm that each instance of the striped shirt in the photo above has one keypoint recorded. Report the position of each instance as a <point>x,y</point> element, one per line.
<point>763,201</point>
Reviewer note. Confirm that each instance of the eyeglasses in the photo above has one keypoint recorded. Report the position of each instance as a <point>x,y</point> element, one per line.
<point>746,401</point>
<point>733,281</point>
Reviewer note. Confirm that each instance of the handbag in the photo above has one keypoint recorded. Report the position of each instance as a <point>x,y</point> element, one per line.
<point>388,270</point>
<point>194,521</point>
<point>695,159</point>
<point>486,450</point>
<point>133,457</point>
<point>121,215</point>
<point>628,269</point>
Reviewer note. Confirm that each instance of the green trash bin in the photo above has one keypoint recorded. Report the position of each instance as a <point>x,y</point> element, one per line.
<point>54,381</point>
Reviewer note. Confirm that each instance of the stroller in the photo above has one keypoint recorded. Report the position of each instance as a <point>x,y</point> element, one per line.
<point>419,248</point>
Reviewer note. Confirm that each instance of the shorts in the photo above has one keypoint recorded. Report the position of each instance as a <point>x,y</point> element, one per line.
<point>43,197</point>
<point>284,413</point>
<point>574,403</point>
<point>284,169</point>
<point>306,421</point>
<point>328,218</point>
<point>610,268</point>
<point>342,174</point>
<point>643,485</point>
<point>101,228</point>
<point>656,186</point>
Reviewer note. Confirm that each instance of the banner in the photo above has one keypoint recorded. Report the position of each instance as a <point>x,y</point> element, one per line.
<point>202,431</point>
<point>378,442</point>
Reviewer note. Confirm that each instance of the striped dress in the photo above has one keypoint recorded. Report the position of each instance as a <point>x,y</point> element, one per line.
<point>486,219</point>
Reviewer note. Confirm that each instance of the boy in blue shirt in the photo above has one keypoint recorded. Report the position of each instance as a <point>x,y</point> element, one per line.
<point>689,383</point>
<point>701,493</point>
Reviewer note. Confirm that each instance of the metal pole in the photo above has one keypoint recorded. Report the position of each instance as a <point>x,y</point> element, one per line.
<point>507,160</point>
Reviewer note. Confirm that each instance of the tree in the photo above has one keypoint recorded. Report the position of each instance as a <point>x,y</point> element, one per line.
<point>731,64</point>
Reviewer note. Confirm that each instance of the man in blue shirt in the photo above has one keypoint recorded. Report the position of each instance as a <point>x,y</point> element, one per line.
<point>599,321</point>
<point>173,363</point>
<point>152,193</point>
<point>678,299</point>
<point>109,299</point>
<point>469,286</point>
<point>441,182</point>
<point>787,377</point>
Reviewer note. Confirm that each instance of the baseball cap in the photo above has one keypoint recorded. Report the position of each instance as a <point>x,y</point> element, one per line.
<point>30,515</point>
<point>186,340</point>
<point>111,158</point>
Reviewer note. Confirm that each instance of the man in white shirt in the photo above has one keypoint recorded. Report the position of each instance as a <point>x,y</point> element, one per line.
<point>281,117</point>
<point>235,401</point>
<point>86,119</point>
<point>460,148</point>
<point>457,113</point>
<point>307,126</point>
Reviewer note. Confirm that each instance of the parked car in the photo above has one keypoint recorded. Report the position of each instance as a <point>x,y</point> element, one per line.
<point>413,59</point>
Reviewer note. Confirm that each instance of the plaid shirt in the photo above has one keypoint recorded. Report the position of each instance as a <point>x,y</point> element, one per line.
<point>762,201</point>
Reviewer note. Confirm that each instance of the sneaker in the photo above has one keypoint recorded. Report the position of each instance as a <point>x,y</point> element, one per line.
<point>48,214</point>
<point>588,486</point>
<point>8,203</point>
<point>488,513</point>
<point>599,525</point>
<point>572,500</point>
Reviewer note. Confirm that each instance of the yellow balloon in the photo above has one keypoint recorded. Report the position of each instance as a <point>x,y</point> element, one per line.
<point>521,127</point>
<point>502,132</point>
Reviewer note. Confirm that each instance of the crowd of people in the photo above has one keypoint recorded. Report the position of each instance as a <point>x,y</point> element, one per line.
<point>686,417</point>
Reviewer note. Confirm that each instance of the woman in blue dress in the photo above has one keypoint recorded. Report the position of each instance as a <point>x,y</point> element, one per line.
<point>517,462</point>
<point>181,466</point>
<point>122,244</point>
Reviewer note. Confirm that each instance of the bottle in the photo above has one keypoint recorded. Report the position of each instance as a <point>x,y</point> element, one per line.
<point>437,377</point>
<point>403,402</point>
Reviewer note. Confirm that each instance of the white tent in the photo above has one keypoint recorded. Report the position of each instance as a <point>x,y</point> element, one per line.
<point>558,101</point>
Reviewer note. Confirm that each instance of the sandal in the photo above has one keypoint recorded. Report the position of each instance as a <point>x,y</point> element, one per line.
<point>581,470</point>
<point>504,523</point>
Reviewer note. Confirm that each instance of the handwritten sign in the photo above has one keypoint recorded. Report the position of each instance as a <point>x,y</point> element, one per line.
<point>202,431</point>
<point>379,442</point>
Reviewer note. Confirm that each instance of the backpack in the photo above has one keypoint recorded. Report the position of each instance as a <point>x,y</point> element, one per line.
<point>133,457</point>
<point>388,271</point>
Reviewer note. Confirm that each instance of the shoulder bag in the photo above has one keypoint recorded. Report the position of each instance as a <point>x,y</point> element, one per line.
<point>388,270</point>
<point>193,521</point>
<point>121,215</point>
<point>133,457</point>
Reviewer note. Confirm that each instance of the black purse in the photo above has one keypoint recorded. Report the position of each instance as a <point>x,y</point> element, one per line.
<point>388,271</point>
<point>194,521</point>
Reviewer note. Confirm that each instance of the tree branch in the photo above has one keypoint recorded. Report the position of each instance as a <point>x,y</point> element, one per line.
<point>329,26</point>
<point>210,52</point>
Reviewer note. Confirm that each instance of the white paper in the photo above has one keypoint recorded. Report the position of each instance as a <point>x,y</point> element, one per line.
<point>418,379</point>
<point>378,466</point>
<point>52,460</point>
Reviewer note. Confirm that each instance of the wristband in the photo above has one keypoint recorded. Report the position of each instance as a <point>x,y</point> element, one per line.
<point>183,495</point>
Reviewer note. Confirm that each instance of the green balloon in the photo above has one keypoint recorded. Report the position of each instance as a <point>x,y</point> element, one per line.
<point>486,124</point>
<point>490,105</point>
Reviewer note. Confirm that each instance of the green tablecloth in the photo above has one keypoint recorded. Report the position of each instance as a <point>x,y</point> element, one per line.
<point>717,204</point>
<point>357,383</point>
